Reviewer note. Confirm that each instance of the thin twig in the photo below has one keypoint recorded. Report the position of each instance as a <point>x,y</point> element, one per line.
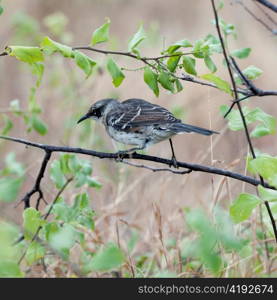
<point>154,169</point>
<point>233,104</point>
<point>251,86</point>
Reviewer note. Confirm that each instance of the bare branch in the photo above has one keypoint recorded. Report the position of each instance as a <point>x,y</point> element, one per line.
<point>164,161</point>
<point>155,169</point>
<point>36,188</point>
<point>273,31</point>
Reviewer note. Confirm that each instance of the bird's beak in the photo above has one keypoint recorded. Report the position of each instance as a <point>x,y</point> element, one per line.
<point>86,116</point>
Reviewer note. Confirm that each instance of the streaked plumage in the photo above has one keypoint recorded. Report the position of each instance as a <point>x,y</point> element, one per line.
<point>138,122</point>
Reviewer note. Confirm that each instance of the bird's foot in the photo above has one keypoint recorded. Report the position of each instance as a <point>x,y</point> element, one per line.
<point>174,162</point>
<point>122,153</point>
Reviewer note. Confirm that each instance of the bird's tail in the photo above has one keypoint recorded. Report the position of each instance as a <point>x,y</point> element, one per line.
<point>181,128</point>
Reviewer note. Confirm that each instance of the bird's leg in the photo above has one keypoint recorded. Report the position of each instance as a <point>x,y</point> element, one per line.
<point>130,151</point>
<point>173,158</point>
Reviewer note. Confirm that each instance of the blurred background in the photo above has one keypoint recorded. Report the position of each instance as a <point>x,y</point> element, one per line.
<point>131,198</point>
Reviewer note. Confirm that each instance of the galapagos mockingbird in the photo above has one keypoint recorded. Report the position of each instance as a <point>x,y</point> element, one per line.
<point>140,123</point>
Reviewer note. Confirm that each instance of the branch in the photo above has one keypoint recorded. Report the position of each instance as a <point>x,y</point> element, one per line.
<point>192,79</point>
<point>241,112</point>
<point>273,31</point>
<point>155,169</point>
<point>232,79</point>
<point>37,188</point>
<point>256,91</point>
<point>268,4</point>
<point>164,161</point>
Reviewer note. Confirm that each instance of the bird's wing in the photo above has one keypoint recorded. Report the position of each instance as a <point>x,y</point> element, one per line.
<point>134,113</point>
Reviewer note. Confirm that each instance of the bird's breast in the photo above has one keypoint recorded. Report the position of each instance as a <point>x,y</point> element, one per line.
<point>126,137</point>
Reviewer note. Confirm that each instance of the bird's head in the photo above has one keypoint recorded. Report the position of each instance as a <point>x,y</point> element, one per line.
<point>98,109</point>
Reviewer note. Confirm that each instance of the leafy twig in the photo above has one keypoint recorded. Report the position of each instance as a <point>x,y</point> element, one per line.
<point>45,217</point>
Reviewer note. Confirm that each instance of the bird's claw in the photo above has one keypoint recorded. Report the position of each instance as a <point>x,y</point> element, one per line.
<point>120,154</point>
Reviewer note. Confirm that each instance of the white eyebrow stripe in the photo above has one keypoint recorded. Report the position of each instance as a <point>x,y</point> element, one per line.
<point>132,119</point>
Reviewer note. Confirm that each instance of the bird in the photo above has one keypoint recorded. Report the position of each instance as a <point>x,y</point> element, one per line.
<point>140,123</point>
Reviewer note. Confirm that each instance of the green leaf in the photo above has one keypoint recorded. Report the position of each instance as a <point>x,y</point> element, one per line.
<point>31,222</point>
<point>204,246</point>
<point>266,167</point>
<point>220,5</point>
<point>9,188</point>
<point>1,10</point>
<point>34,252</point>
<point>267,194</point>
<point>12,166</point>
<point>79,213</point>
<point>201,49</point>
<point>63,239</point>
<point>268,125</point>
<point>39,125</point>
<point>57,175</point>
<point>210,64</point>
<point>9,252</point>
<point>241,53</point>
<point>220,83</point>
<point>56,23</point>
<point>84,62</point>
<point>214,43</point>
<point>38,70</point>
<point>183,43</point>
<point>172,63</point>
<point>49,47</point>
<point>8,125</point>
<point>189,65</point>
<point>151,79</point>
<point>138,37</point>
<point>235,122</point>
<point>179,86</point>
<point>101,34</point>
<point>252,72</point>
<point>109,258</point>
<point>226,231</point>
<point>165,80</point>
<point>92,182</point>
<point>26,54</point>
<point>115,72</point>
<point>241,209</point>
<point>10,269</point>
